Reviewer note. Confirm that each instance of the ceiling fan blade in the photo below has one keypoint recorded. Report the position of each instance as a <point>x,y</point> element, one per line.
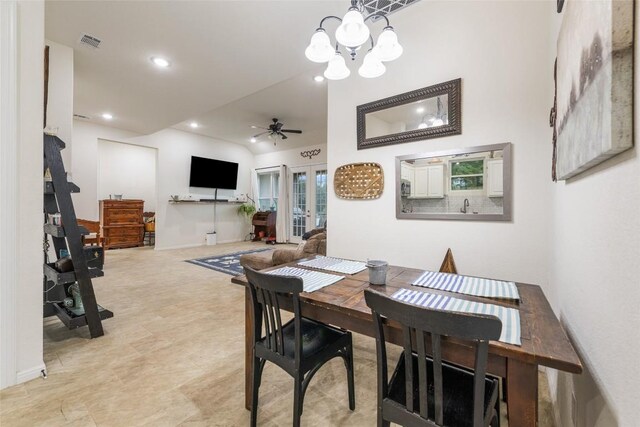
<point>291,130</point>
<point>260,134</point>
<point>258,127</point>
<point>282,135</point>
<point>278,126</point>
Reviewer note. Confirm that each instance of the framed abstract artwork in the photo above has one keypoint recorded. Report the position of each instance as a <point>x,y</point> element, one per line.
<point>593,116</point>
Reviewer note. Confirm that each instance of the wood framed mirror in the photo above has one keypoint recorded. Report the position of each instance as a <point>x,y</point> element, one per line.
<point>430,112</point>
<point>468,184</point>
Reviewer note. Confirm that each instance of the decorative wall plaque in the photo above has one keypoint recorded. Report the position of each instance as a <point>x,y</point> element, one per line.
<point>359,181</point>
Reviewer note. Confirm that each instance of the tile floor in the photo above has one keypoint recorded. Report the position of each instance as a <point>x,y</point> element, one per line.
<point>173,355</point>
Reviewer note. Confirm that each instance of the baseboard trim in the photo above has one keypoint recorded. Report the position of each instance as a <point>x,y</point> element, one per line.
<point>164,248</point>
<point>31,373</point>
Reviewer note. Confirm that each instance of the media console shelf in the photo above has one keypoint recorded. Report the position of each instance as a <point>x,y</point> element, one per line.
<point>202,202</point>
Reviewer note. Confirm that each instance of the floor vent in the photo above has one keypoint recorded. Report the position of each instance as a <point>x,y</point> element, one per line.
<point>90,41</point>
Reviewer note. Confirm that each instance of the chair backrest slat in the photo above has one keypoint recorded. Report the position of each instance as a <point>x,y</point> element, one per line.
<point>422,375</point>
<point>408,363</point>
<point>381,354</point>
<point>274,329</point>
<point>478,382</point>
<point>279,336</point>
<point>478,328</point>
<point>437,378</point>
<point>265,289</point>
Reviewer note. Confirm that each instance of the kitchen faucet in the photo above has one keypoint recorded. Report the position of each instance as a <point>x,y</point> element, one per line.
<point>465,205</point>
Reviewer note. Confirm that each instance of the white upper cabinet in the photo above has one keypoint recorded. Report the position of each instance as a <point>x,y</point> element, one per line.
<point>406,172</point>
<point>428,182</point>
<point>494,178</point>
<point>436,181</point>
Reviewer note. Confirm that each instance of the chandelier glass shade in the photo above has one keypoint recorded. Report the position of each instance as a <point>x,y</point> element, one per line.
<point>352,33</point>
<point>320,49</point>
<point>371,66</point>
<point>337,69</point>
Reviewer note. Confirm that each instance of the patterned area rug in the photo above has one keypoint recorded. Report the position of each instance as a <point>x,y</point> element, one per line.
<point>227,263</point>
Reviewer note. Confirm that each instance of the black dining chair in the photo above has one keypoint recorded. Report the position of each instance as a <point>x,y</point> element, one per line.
<point>300,347</point>
<point>426,391</point>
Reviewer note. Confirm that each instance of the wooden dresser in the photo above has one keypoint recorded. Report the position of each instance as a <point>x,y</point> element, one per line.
<point>121,224</point>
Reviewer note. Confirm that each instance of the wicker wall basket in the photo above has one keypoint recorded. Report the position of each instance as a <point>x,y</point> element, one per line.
<point>359,181</point>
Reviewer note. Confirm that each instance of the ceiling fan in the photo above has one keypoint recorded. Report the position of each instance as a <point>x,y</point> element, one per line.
<point>274,131</point>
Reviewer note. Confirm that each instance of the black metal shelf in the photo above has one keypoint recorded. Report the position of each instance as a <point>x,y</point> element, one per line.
<point>48,187</point>
<point>59,278</point>
<point>87,261</point>
<point>58,230</point>
<point>73,321</point>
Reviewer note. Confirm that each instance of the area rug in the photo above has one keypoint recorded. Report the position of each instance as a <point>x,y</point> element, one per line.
<point>227,263</point>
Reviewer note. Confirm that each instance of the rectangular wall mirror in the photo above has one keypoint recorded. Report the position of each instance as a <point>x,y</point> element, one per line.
<point>425,113</point>
<point>464,184</point>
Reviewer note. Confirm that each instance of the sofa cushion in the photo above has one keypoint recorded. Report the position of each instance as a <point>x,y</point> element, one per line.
<point>257,260</point>
<point>317,244</point>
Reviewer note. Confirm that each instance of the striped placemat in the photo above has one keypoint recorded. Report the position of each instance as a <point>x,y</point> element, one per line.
<point>510,317</point>
<point>338,265</point>
<point>311,280</point>
<point>468,285</point>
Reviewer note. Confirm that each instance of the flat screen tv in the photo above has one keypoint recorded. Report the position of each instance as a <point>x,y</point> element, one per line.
<point>211,173</point>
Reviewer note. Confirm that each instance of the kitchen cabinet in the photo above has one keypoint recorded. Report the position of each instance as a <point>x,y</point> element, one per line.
<point>428,182</point>
<point>435,188</point>
<point>494,178</point>
<point>406,171</point>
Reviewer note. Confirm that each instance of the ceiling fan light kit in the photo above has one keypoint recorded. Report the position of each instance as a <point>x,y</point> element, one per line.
<point>352,33</point>
<point>274,131</point>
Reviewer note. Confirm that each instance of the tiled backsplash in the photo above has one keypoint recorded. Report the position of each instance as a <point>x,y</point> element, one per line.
<point>453,204</point>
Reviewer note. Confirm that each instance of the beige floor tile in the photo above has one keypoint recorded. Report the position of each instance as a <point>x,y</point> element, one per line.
<point>173,355</point>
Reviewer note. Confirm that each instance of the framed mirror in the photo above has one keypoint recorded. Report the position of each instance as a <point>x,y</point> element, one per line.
<point>430,112</point>
<point>469,184</point>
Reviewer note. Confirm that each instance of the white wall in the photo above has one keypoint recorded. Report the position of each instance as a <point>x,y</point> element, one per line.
<point>129,170</point>
<point>500,50</point>
<point>21,316</point>
<point>84,164</point>
<point>176,225</point>
<point>594,254</point>
<point>291,157</point>
<point>60,100</point>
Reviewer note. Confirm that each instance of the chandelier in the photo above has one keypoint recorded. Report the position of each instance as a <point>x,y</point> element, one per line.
<point>352,34</point>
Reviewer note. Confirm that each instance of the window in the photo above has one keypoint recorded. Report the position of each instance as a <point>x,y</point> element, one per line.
<point>268,191</point>
<point>321,197</point>
<point>467,174</point>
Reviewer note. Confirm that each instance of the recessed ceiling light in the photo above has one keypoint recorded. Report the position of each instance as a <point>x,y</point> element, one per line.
<point>194,125</point>
<point>253,140</point>
<point>420,110</point>
<point>319,78</point>
<point>160,62</point>
<point>107,116</point>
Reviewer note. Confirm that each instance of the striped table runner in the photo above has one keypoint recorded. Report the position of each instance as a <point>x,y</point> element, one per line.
<point>338,265</point>
<point>510,317</point>
<point>468,285</point>
<point>311,280</point>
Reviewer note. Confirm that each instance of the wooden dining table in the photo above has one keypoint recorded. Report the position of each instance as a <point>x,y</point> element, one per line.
<point>544,342</point>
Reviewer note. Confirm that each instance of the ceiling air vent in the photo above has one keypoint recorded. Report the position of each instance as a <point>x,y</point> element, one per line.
<point>387,7</point>
<point>81,117</point>
<point>90,41</point>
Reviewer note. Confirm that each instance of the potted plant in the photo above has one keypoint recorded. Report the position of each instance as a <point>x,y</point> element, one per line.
<point>246,209</point>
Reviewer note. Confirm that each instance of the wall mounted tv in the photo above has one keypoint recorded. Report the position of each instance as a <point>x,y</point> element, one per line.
<point>211,173</point>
